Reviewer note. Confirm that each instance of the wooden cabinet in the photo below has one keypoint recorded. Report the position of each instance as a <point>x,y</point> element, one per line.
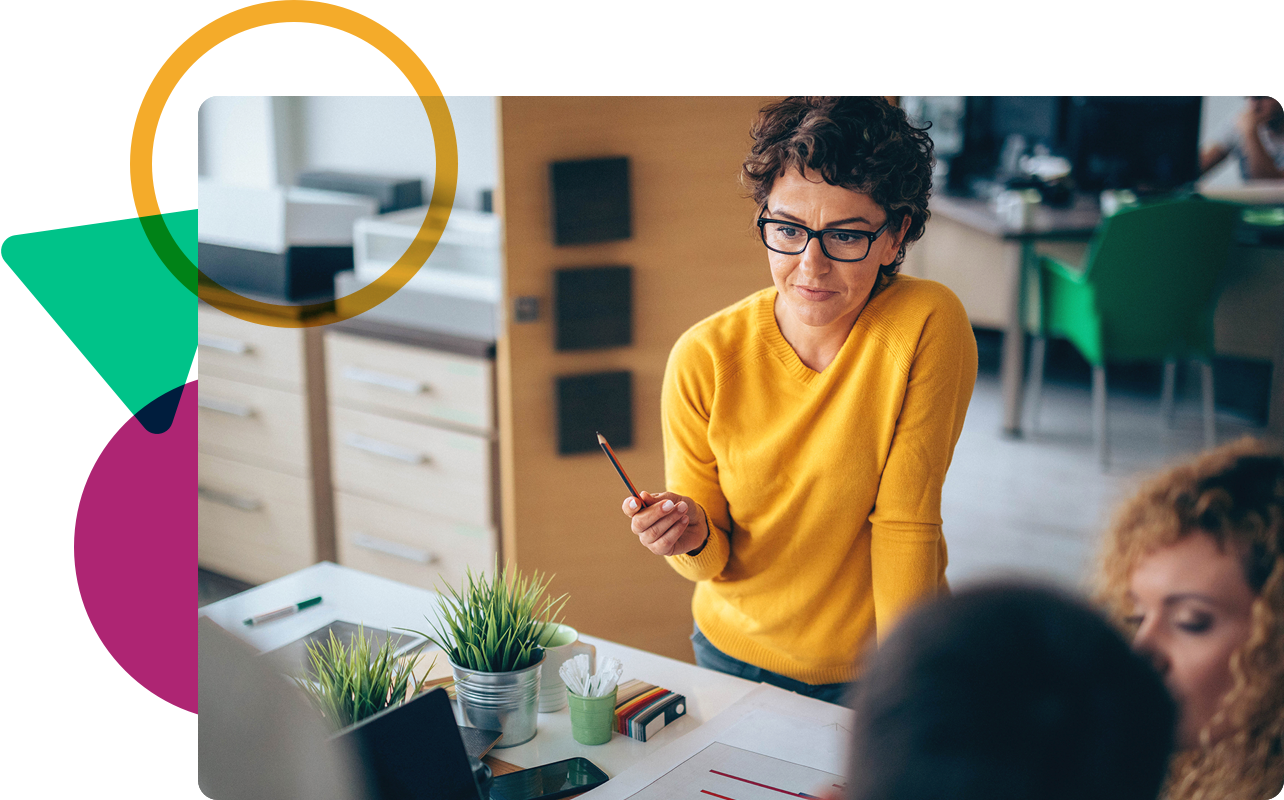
<point>256,524</point>
<point>412,382</point>
<point>250,353</point>
<point>413,446</point>
<point>264,497</point>
<point>254,424</point>
<point>410,546</point>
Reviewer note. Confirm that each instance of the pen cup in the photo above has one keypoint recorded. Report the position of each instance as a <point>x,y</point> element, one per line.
<point>592,718</point>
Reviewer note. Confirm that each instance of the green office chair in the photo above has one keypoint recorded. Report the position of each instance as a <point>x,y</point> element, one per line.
<point>1146,292</point>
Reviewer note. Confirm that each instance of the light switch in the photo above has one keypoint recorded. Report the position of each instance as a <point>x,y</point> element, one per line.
<point>526,309</point>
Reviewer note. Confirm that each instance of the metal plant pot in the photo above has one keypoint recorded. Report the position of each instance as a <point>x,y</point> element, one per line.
<point>500,701</point>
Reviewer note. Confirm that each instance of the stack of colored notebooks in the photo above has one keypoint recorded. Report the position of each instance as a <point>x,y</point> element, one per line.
<point>642,709</point>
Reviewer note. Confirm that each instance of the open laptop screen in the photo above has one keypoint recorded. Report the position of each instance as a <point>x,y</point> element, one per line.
<point>414,752</point>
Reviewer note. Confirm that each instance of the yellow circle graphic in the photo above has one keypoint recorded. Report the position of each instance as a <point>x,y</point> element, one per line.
<point>198,52</point>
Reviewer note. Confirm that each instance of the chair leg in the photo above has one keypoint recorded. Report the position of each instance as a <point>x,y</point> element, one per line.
<point>1167,400</point>
<point>1210,411</point>
<point>1099,415</point>
<point>1034,392</point>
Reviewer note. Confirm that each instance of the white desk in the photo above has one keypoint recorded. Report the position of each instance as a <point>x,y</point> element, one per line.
<point>361,598</point>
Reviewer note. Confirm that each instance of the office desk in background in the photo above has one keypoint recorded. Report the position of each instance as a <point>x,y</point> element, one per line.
<point>368,599</point>
<point>969,250</point>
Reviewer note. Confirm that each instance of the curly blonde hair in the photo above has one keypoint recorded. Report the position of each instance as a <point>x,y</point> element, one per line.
<point>1235,495</point>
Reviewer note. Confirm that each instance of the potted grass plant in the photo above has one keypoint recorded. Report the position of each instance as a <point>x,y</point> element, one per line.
<point>490,629</point>
<point>352,681</point>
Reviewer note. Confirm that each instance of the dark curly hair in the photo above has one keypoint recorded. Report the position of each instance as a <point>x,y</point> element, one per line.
<point>860,143</point>
<point>1007,692</point>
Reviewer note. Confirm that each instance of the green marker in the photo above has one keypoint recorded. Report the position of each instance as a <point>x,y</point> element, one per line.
<point>283,612</point>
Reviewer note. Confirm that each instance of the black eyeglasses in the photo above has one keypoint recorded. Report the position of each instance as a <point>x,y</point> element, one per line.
<point>839,244</point>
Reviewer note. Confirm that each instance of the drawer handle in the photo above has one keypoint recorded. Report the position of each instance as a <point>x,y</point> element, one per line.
<point>394,549</point>
<point>234,346</point>
<point>229,499</point>
<point>386,449</point>
<point>370,376</point>
<point>224,406</point>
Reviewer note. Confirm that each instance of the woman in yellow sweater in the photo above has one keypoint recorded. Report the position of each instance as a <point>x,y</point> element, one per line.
<point>808,428</point>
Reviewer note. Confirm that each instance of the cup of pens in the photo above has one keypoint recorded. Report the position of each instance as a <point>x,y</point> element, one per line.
<point>591,698</point>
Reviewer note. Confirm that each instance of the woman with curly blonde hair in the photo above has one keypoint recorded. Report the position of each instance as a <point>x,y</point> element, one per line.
<point>1193,566</point>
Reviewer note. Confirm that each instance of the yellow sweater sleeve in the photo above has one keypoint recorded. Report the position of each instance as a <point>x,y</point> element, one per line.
<point>690,467</point>
<point>907,550</point>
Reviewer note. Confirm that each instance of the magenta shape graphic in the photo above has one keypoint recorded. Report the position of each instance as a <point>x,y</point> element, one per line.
<point>136,551</point>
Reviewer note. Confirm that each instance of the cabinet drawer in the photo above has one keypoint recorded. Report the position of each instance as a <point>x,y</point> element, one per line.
<point>254,524</point>
<point>412,465</point>
<point>406,380</point>
<point>409,546</point>
<point>253,423</point>
<point>245,351</point>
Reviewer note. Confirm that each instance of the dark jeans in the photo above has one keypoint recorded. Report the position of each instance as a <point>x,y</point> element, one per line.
<point>710,657</point>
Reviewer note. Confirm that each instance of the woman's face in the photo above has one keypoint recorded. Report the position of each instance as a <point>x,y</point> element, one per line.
<point>1192,610</point>
<point>817,291</point>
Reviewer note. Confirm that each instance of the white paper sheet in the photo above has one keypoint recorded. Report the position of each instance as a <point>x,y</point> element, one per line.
<point>770,742</point>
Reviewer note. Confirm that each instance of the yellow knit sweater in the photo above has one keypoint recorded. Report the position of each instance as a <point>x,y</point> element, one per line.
<point>822,489</point>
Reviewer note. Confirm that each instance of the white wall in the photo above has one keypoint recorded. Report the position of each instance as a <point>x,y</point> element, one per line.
<point>235,141</point>
<point>477,131</point>
<point>257,140</point>
<point>1218,117</point>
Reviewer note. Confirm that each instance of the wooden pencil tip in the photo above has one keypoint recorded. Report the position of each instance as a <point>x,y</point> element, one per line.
<point>601,439</point>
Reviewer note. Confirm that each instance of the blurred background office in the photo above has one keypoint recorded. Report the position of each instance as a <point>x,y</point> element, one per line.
<point>445,427</point>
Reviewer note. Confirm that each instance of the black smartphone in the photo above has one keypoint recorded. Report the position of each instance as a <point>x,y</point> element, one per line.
<point>548,782</point>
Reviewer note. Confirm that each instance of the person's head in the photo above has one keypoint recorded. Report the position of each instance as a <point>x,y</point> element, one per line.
<point>1267,109</point>
<point>1009,693</point>
<point>849,163</point>
<point>1193,565</point>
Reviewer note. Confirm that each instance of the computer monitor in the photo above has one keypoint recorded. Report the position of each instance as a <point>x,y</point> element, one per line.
<point>987,124</point>
<point>1036,119</point>
<point>1147,144</point>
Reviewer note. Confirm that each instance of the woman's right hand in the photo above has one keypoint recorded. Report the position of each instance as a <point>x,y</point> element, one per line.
<point>669,524</point>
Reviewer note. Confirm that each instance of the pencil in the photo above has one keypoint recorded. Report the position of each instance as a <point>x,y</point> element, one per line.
<point>606,448</point>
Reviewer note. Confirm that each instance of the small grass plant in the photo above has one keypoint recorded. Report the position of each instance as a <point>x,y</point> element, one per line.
<point>352,681</point>
<point>495,624</point>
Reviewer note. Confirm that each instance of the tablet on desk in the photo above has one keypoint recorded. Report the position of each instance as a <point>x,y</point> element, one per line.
<point>292,658</point>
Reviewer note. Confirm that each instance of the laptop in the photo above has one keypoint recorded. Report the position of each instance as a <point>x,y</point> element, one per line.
<point>414,752</point>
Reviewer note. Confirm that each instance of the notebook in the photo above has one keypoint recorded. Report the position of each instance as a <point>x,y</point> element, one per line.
<point>478,742</point>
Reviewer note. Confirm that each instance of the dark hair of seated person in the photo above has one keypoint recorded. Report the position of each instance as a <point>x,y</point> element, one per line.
<point>1008,692</point>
